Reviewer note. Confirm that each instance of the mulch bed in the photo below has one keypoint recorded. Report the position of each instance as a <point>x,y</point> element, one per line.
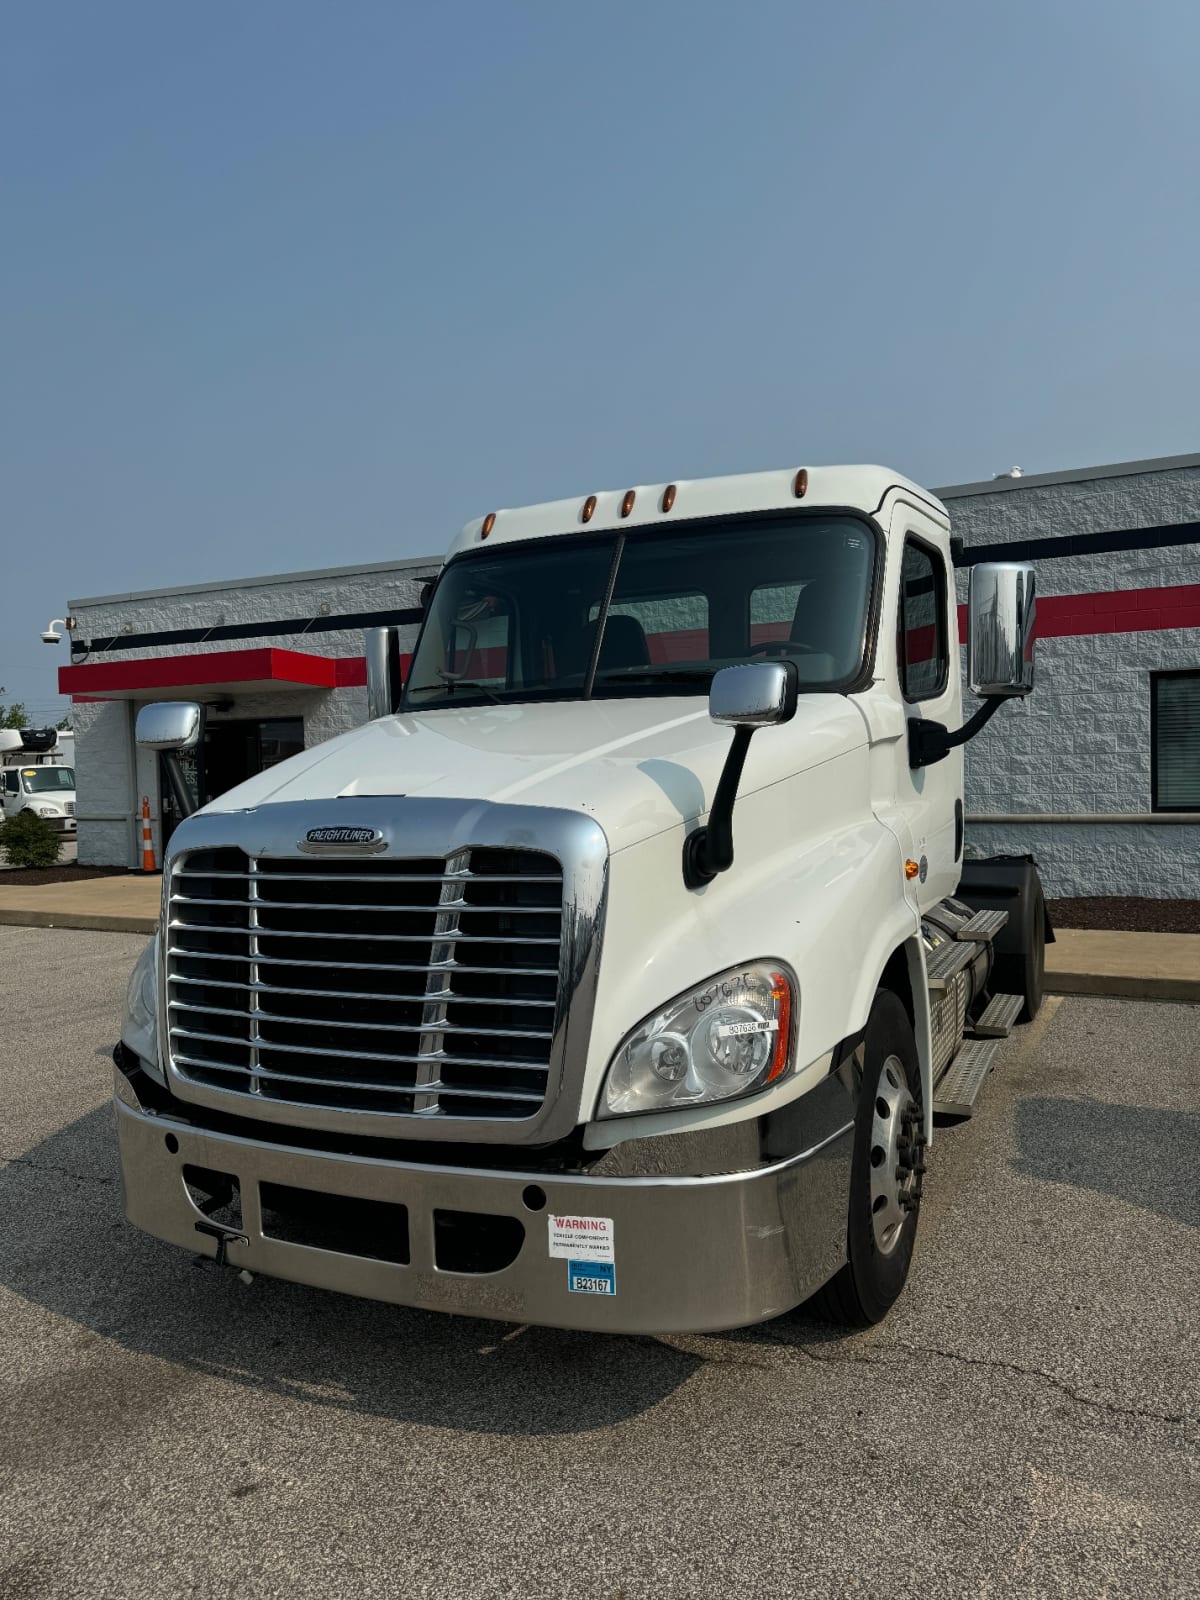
<point>30,877</point>
<point>1126,913</point>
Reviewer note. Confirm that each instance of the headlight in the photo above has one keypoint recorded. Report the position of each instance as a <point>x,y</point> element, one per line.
<point>141,999</point>
<point>726,1037</point>
<point>46,811</point>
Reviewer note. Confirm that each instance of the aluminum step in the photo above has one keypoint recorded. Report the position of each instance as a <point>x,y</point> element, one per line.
<point>944,964</point>
<point>962,1080</point>
<point>997,1021</point>
<point>983,925</point>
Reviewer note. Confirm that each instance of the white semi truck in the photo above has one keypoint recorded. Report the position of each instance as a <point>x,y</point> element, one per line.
<point>612,974</point>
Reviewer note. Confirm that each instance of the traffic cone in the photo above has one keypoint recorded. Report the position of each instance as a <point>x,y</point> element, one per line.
<point>147,838</point>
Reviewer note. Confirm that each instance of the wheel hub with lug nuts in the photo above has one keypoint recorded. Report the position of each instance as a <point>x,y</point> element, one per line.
<point>897,1155</point>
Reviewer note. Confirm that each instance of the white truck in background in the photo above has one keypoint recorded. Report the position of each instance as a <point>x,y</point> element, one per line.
<point>37,774</point>
<point>501,1005</point>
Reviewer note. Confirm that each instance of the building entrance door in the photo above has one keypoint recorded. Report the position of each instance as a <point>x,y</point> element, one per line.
<point>230,753</point>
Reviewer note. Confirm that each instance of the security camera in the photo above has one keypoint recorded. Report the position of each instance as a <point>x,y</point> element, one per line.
<point>51,636</point>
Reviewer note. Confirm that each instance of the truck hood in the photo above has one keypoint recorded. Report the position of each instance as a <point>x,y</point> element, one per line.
<point>639,766</point>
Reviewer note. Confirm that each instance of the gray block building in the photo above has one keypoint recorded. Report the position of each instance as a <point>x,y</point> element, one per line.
<point>1097,775</point>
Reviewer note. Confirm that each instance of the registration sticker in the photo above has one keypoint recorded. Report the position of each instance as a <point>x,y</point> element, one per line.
<point>581,1238</point>
<point>591,1277</point>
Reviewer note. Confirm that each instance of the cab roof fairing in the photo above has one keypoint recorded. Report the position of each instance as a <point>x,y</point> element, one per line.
<point>862,488</point>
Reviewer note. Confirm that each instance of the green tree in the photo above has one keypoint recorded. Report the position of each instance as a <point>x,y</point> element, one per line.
<point>13,716</point>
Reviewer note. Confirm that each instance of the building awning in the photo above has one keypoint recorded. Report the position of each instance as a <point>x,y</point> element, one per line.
<point>212,672</point>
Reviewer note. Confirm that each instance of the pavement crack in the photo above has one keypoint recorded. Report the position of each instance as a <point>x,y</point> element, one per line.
<point>50,1166</point>
<point>994,1364</point>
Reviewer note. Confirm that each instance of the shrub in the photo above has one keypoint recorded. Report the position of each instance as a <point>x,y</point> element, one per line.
<point>27,840</point>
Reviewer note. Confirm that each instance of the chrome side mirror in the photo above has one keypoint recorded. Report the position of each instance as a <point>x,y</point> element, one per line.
<point>756,695</point>
<point>170,725</point>
<point>1001,615</point>
<point>382,647</point>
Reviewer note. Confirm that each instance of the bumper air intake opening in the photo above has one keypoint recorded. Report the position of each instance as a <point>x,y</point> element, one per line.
<point>472,1241</point>
<point>376,1229</point>
<point>216,1194</point>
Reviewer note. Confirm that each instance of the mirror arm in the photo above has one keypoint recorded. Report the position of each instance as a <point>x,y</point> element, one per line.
<point>931,741</point>
<point>184,803</point>
<point>709,850</point>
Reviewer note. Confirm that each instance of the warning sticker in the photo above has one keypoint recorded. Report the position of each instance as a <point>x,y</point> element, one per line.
<point>591,1277</point>
<point>582,1238</point>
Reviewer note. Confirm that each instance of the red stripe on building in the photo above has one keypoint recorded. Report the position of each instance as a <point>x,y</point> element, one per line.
<point>1062,616</point>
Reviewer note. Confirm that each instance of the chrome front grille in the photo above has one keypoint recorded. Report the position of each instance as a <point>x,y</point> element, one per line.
<point>413,986</point>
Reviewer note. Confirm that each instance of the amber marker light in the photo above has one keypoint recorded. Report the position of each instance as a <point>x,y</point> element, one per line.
<point>589,508</point>
<point>781,991</point>
<point>668,499</point>
<point>911,869</point>
<point>627,503</point>
<point>489,522</point>
<point>800,484</point>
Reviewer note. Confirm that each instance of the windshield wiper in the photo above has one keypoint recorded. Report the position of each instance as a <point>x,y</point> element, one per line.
<point>449,681</point>
<point>654,675</point>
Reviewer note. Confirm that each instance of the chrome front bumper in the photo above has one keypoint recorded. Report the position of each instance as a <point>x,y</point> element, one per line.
<point>691,1253</point>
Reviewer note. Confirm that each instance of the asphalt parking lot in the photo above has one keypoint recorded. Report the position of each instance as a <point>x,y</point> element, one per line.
<point>1025,1422</point>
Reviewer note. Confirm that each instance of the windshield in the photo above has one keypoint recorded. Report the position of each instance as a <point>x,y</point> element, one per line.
<point>40,780</point>
<point>536,622</point>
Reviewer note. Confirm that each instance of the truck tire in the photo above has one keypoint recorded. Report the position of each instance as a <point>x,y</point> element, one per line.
<point>1024,973</point>
<point>886,1172</point>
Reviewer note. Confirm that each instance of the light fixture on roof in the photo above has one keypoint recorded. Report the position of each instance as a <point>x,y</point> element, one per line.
<point>1013,472</point>
<point>52,635</point>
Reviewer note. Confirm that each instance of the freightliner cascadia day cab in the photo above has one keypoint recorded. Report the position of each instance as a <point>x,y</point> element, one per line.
<point>611,975</point>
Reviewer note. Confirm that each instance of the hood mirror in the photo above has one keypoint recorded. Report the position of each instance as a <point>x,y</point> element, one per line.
<point>759,694</point>
<point>756,695</point>
<point>170,725</point>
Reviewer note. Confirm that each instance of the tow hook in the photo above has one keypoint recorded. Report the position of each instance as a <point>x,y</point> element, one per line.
<point>224,1237</point>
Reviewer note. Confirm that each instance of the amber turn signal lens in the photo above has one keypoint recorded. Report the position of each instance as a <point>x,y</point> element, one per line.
<point>668,499</point>
<point>800,485</point>
<point>489,522</point>
<point>911,869</point>
<point>781,990</point>
<point>589,508</point>
<point>627,503</point>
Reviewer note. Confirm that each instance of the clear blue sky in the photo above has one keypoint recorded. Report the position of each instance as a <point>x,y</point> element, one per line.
<point>289,284</point>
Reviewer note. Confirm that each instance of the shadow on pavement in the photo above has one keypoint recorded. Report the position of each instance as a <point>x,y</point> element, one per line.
<point>65,1246</point>
<point>1144,1156</point>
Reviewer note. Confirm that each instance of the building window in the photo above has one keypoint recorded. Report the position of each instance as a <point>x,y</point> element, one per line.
<point>923,653</point>
<point>1175,741</point>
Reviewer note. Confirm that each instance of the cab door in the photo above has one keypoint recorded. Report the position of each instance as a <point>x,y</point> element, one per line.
<point>927,664</point>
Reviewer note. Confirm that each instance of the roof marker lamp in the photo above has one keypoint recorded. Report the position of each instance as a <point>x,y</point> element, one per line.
<point>730,1036</point>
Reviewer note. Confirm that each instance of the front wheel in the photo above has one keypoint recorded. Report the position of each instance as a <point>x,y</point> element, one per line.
<point>886,1172</point>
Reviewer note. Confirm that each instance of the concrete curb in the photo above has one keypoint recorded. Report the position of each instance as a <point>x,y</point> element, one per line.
<point>96,921</point>
<point>1124,986</point>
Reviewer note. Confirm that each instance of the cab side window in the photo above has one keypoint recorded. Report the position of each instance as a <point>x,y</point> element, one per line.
<point>922,643</point>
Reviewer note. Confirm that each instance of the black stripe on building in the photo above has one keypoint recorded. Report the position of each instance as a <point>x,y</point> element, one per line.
<point>1063,546</point>
<point>289,627</point>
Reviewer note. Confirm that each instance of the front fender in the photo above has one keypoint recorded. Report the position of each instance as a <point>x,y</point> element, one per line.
<point>816,880</point>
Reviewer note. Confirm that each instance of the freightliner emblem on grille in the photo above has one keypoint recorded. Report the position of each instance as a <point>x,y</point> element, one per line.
<point>336,836</point>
